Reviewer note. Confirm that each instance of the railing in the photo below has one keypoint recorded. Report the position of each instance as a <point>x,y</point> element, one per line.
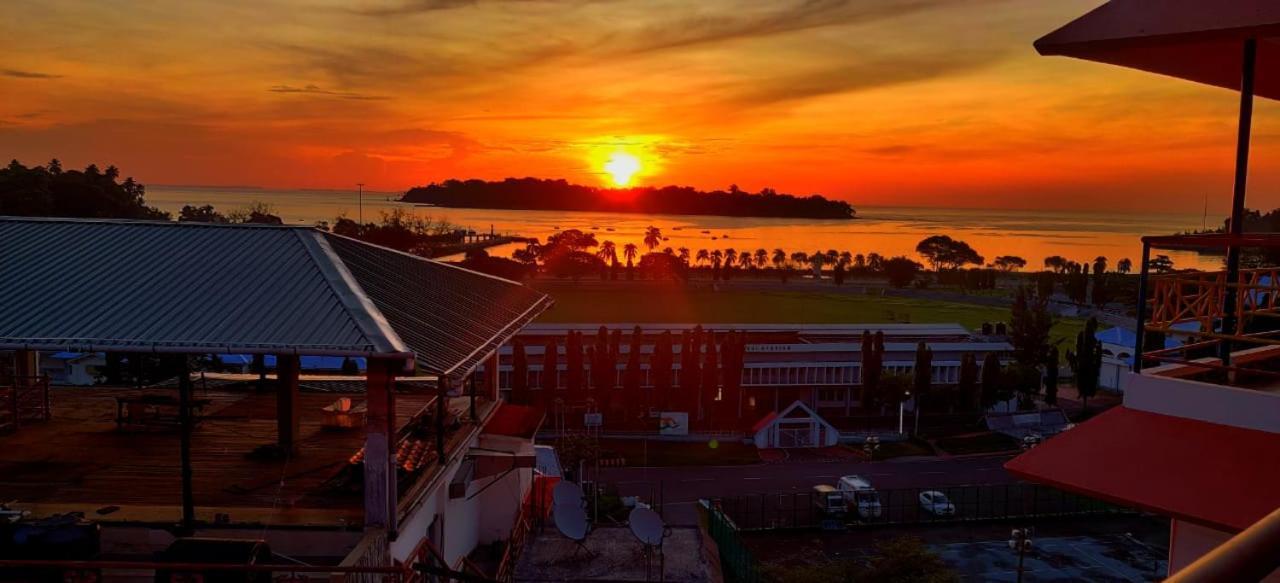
<point>736,560</point>
<point>54,570</point>
<point>373,550</point>
<point>1251,555</point>
<point>23,400</point>
<point>801,510</point>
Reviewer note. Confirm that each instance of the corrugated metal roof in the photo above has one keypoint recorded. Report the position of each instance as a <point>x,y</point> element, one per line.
<point>129,286</point>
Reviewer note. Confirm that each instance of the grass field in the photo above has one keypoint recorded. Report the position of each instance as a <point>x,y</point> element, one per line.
<point>656,304</point>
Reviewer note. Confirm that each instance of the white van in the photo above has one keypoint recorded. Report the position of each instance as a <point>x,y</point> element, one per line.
<point>859,495</point>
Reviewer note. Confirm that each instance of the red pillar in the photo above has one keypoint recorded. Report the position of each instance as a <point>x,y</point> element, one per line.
<point>379,467</point>
<point>287,412</point>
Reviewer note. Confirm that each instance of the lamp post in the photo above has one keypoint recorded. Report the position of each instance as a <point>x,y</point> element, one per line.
<point>1020,540</point>
<point>360,202</point>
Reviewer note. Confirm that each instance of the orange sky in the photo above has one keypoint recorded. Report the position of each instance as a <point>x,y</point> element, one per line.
<point>912,102</point>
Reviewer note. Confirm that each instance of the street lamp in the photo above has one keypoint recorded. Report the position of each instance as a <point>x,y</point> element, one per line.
<point>1020,540</point>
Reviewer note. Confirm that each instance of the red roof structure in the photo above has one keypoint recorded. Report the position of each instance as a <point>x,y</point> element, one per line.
<point>1211,474</point>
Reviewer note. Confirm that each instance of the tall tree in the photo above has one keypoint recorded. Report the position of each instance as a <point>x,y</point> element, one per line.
<point>991,379</point>
<point>1009,263</point>
<point>1124,265</point>
<point>967,387</point>
<point>731,351</point>
<point>710,378</point>
<point>1088,363</point>
<point>923,379</point>
<point>629,251</point>
<point>519,374</point>
<point>652,238</point>
<point>943,252</point>
<point>1031,322</point>
<point>573,364</point>
<point>1051,377</point>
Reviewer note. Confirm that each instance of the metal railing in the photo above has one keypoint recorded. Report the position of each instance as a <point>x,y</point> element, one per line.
<point>736,561</point>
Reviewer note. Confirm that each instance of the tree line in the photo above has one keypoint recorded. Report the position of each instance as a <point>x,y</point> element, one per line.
<point>559,194</point>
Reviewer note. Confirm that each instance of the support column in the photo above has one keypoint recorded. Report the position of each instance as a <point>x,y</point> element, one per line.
<point>26,366</point>
<point>184,417</point>
<point>287,413</point>
<point>379,468</point>
<point>1244,128</point>
<point>491,376</point>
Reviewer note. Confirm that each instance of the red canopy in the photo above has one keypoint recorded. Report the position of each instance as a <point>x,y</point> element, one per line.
<point>1216,475</point>
<point>1197,40</point>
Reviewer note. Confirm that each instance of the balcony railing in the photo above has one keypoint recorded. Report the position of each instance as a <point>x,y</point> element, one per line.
<point>1226,323</point>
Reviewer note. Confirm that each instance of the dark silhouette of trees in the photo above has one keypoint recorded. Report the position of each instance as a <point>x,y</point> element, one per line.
<point>900,271</point>
<point>690,371</point>
<point>732,349</point>
<point>538,194</point>
<point>550,365</point>
<point>872,366</point>
<point>922,380</point>
<point>710,392</point>
<point>991,388</point>
<point>967,385</point>
<point>1051,377</point>
<point>1009,263</point>
<point>49,191</point>
<point>200,214</point>
<point>662,266</point>
<point>573,367</point>
<point>632,396</point>
<point>1086,363</point>
<point>1161,264</point>
<point>1124,265</point>
<point>943,252</point>
<point>1031,323</point>
<point>661,366</point>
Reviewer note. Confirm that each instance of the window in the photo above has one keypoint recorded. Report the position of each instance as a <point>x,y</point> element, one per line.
<point>830,395</point>
<point>504,379</point>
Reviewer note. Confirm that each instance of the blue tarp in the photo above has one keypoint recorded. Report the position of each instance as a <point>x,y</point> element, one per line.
<point>308,362</point>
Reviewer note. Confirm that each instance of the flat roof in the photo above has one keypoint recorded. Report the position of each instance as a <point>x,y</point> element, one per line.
<point>888,328</point>
<point>158,286</point>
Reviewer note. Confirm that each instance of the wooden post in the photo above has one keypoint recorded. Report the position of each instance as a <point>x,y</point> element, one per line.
<point>287,412</point>
<point>379,469</point>
<point>26,367</point>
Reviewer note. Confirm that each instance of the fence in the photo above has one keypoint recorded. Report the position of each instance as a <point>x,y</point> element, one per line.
<point>903,506</point>
<point>736,561</point>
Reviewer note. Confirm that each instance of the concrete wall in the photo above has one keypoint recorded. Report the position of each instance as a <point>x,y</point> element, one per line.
<point>1188,542</point>
<point>1219,404</point>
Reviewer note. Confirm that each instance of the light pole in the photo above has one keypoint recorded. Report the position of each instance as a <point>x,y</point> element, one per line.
<point>360,202</point>
<point>1020,540</point>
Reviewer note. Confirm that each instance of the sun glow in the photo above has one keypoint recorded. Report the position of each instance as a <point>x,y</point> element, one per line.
<point>621,168</point>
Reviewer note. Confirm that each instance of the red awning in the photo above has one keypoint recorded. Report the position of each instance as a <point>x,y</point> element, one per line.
<point>1197,40</point>
<point>764,422</point>
<point>1216,475</point>
<point>515,421</point>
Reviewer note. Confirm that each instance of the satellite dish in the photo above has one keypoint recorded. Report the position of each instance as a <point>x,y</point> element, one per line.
<point>647,526</point>
<point>572,522</point>
<point>567,494</point>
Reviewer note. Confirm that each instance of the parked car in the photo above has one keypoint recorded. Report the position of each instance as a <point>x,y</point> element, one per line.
<point>860,496</point>
<point>828,500</point>
<point>936,503</point>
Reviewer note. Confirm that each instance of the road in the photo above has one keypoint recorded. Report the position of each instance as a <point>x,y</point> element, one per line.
<point>682,487</point>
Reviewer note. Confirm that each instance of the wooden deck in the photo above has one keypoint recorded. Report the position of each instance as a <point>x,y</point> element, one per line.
<point>79,460</point>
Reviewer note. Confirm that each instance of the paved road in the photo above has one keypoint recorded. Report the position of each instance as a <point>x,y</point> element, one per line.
<point>681,487</point>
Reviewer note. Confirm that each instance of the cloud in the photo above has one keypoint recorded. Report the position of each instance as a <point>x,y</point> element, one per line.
<point>316,90</point>
<point>28,74</point>
<point>407,7</point>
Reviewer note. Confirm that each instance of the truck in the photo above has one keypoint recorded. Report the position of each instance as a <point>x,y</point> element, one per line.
<point>860,496</point>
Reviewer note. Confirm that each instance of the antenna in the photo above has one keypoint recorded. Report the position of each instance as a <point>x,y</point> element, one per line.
<point>649,529</point>
<point>567,495</point>
<point>571,521</point>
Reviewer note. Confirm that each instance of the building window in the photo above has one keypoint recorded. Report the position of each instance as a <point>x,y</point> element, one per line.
<point>830,395</point>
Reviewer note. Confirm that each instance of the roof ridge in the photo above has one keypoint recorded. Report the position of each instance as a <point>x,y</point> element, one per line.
<point>350,294</point>
<point>151,223</point>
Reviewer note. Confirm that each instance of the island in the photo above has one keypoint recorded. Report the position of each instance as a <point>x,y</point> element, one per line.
<point>560,195</point>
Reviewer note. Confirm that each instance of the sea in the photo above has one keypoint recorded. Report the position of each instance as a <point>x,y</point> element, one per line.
<point>887,230</point>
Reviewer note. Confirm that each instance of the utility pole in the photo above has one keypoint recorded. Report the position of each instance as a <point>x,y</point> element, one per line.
<point>360,202</point>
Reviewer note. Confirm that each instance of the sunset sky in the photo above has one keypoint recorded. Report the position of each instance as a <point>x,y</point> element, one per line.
<point>911,102</point>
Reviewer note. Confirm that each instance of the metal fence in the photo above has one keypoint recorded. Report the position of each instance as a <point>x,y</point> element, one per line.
<point>903,506</point>
<point>736,561</point>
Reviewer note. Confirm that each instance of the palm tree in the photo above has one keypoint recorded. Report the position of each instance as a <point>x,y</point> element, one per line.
<point>629,251</point>
<point>745,260</point>
<point>875,261</point>
<point>1124,265</point>
<point>730,256</point>
<point>779,258</point>
<point>668,251</point>
<point>859,260</point>
<point>762,258</point>
<point>716,255</point>
<point>832,256</point>
<point>846,259</point>
<point>816,261</point>
<point>608,252</point>
<point>702,256</point>
<point>683,254</point>
<point>800,258</point>
<point>652,238</point>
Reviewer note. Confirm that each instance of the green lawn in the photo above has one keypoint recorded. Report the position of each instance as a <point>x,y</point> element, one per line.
<point>656,304</point>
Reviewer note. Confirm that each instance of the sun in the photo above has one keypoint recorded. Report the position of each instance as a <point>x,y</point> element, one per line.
<point>621,168</point>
